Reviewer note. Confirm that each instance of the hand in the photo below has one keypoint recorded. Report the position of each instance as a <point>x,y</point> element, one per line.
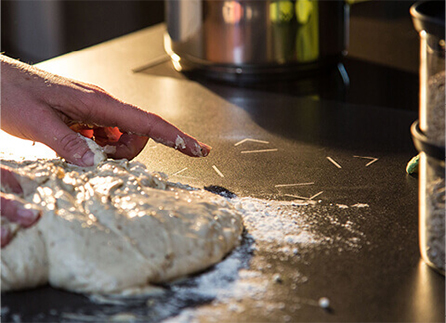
<point>51,109</point>
<point>12,207</point>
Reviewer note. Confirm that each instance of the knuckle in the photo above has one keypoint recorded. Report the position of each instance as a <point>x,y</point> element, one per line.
<point>93,96</point>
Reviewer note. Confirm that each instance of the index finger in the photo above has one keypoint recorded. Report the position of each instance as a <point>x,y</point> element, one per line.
<point>106,110</point>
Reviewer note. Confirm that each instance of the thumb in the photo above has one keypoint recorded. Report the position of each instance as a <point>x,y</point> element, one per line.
<point>76,149</point>
<point>67,143</point>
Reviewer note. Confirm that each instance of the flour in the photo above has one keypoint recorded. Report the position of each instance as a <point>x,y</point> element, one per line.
<point>293,231</point>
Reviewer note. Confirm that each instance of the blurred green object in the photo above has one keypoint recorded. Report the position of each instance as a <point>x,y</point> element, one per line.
<point>281,11</point>
<point>412,165</point>
<point>307,36</point>
<point>303,10</point>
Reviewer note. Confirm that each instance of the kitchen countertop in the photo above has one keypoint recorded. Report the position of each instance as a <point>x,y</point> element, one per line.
<point>380,278</point>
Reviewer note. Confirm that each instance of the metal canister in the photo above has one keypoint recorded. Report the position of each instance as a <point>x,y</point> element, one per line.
<point>429,134</point>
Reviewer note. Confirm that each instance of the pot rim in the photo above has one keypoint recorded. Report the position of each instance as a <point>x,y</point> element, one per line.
<point>423,144</point>
<point>429,16</point>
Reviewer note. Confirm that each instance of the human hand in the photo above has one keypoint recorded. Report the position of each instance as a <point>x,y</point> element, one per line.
<point>51,109</point>
<point>13,208</point>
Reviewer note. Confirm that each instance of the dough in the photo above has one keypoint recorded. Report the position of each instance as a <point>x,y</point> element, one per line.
<point>113,227</point>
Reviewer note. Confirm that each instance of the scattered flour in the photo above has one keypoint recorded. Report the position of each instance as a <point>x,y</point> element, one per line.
<point>359,205</point>
<point>292,229</point>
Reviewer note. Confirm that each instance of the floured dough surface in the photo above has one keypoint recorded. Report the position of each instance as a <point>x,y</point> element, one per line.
<point>113,227</point>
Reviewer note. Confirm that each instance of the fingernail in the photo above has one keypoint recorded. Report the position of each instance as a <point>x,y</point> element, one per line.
<point>27,216</point>
<point>5,236</point>
<point>88,158</point>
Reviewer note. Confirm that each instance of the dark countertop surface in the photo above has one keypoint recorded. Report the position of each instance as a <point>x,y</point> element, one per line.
<point>381,278</point>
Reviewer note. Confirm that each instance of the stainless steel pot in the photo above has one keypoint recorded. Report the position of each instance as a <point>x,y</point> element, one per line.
<point>253,39</point>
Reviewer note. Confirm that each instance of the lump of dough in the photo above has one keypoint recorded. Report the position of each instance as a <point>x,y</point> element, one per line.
<point>24,261</point>
<point>115,227</point>
<point>98,151</point>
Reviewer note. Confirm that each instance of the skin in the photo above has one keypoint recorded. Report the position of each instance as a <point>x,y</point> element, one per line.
<point>47,108</point>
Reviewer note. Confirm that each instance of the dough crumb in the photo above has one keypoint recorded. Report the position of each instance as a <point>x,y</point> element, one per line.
<point>179,143</point>
<point>324,302</point>
<point>277,278</point>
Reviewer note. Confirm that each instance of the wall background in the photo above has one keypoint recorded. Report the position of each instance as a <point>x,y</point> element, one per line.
<point>36,30</point>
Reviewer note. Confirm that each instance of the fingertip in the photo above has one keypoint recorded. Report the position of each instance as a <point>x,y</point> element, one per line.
<point>17,210</point>
<point>27,216</point>
<point>199,149</point>
<point>9,180</point>
<point>205,149</point>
